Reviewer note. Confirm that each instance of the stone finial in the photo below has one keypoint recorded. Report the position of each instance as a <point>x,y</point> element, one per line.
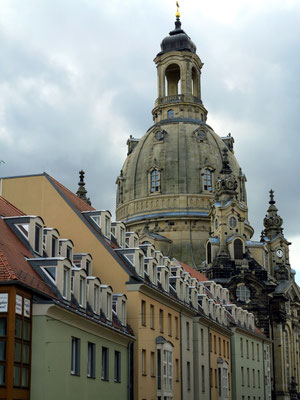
<point>272,221</point>
<point>81,192</point>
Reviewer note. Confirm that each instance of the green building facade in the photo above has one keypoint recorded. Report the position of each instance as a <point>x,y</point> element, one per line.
<point>250,365</point>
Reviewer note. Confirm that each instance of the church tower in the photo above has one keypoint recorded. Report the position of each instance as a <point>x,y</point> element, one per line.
<point>167,183</point>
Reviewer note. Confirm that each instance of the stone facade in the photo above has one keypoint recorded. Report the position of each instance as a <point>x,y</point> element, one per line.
<point>181,188</point>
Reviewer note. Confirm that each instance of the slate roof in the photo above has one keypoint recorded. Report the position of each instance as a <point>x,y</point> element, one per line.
<point>13,253</point>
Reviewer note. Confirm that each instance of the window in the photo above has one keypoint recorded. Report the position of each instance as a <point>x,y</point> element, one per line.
<point>243,378</point>
<point>215,344</point>
<point>176,328</point>
<point>96,296</point>
<point>117,368</point>
<point>69,252</point>
<point>225,382</point>
<point>91,360</point>
<point>241,345</point>
<point>232,222</point>
<point>65,282</point>
<point>152,363</point>
<point>154,181</point>
<point>211,378</point>
<point>228,350</point>
<point>203,378</point>
<point>258,378</point>
<point>123,312</point>
<point>238,249</point>
<point>75,356</point>
<point>143,313</point>
<point>220,348</point>
<point>108,306</point>
<point>208,247</point>
<point>243,293</point>
<point>165,367</point>
<point>104,365</point>
<point>224,348</point>
<point>141,264</point>
<point>161,321</point>
<point>257,346</point>
<point>21,349</point>
<point>54,246</point>
<point>144,371</point>
<point>151,316</point>
<point>210,342</point>
<point>37,238</point>
<point>202,341</point>
<point>177,369</point>
<point>107,226</point>
<point>188,372</point>
<point>187,336</point>
<point>170,113</point>
<point>88,267</point>
<point>253,377</point>
<point>81,292</point>
<point>169,324</point>
<point>247,348</point>
<point>252,350</point>
<point>3,341</point>
<point>207,180</point>
<point>248,377</point>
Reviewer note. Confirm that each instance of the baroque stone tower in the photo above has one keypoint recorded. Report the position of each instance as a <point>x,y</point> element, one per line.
<point>167,183</point>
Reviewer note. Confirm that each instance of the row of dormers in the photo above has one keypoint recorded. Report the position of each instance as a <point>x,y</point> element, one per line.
<point>74,271</point>
<point>69,272</point>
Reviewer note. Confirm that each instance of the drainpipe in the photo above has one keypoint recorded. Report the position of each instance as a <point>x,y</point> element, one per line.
<point>181,385</point>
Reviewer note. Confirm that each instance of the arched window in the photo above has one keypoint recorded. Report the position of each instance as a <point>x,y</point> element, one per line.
<point>155,181</point>
<point>287,356</point>
<point>243,293</point>
<point>238,249</point>
<point>170,113</point>
<point>207,180</point>
<point>173,80</point>
<point>208,253</point>
<point>195,82</point>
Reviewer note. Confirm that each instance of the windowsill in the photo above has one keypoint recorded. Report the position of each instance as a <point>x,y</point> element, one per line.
<point>117,381</point>
<point>152,327</point>
<point>153,376</point>
<point>105,379</point>
<point>91,377</point>
<point>144,374</point>
<point>74,374</point>
<point>144,324</point>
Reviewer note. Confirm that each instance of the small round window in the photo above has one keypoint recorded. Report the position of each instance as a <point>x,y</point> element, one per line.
<point>243,293</point>
<point>232,222</point>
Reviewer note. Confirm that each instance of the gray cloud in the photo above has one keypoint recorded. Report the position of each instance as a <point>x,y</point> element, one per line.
<point>77,78</point>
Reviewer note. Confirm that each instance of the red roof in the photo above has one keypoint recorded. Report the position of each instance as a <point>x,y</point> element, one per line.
<point>76,201</point>
<point>13,265</point>
<point>194,273</point>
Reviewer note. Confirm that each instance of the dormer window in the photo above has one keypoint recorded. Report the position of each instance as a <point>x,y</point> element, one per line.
<point>108,306</point>
<point>66,282</point>
<point>96,299</point>
<point>37,238</point>
<point>81,292</point>
<point>54,246</point>
<point>96,219</point>
<point>69,253</point>
<point>88,267</point>
<point>123,311</point>
<point>107,228</point>
<point>141,264</point>
<point>207,180</point>
<point>155,181</point>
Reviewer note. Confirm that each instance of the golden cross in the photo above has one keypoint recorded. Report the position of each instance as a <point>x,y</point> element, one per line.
<point>177,13</point>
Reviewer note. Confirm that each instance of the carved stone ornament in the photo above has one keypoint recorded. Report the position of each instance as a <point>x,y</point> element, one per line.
<point>200,134</point>
<point>160,135</point>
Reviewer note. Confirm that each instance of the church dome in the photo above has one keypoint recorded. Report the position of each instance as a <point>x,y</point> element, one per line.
<point>168,181</point>
<point>187,156</point>
<point>177,40</point>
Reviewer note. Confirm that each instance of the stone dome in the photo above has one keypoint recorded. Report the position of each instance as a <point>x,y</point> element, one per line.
<point>167,184</point>
<point>177,40</point>
<point>180,151</point>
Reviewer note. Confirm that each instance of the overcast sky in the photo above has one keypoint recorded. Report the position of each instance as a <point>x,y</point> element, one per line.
<point>77,78</point>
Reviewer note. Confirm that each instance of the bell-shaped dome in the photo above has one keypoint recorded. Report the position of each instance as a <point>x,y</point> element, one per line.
<point>177,40</point>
